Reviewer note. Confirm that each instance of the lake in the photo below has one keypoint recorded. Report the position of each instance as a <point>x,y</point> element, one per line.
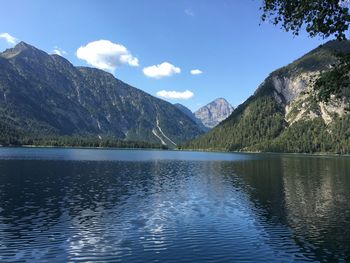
<point>80,205</point>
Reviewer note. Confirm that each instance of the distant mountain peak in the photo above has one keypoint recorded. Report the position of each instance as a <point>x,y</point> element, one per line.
<point>21,48</point>
<point>23,45</point>
<point>214,112</point>
<point>220,100</point>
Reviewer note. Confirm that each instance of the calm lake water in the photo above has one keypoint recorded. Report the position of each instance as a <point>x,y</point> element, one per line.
<point>71,205</point>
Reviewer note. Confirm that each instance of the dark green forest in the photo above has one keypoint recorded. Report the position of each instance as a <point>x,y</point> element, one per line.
<point>12,137</point>
<point>263,131</point>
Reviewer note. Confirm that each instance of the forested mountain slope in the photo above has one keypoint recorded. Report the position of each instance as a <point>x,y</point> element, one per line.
<point>282,114</point>
<point>45,96</point>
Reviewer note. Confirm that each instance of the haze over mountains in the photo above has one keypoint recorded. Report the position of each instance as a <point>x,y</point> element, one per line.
<point>45,95</point>
<point>282,114</point>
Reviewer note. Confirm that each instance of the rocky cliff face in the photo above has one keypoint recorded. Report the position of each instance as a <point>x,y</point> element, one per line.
<point>294,95</point>
<point>214,112</point>
<point>282,114</point>
<point>43,95</point>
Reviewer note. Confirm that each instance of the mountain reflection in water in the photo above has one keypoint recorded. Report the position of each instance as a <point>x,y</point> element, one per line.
<point>194,208</point>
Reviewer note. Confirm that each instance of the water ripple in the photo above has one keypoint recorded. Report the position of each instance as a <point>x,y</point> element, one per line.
<point>173,211</point>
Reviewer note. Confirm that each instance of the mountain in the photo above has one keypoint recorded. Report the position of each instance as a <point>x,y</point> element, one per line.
<point>44,95</point>
<point>190,114</point>
<point>214,112</point>
<point>282,114</point>
<point>186,110</point>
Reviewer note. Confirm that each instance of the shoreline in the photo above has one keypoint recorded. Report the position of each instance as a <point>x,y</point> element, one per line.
<point>79,147</point>
<point>321,154</point>
<point>273,153</point>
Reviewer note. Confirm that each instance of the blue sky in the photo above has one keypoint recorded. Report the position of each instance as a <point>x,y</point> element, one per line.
<point>221,38</point>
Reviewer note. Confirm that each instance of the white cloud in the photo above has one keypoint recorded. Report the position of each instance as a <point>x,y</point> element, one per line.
<point>196,72</point>
<point>185,95</point>
<point>59,51</point>
<point>189,12</point>
<point>9,39</point>
<point>162,70</point>
<point>106,55</point>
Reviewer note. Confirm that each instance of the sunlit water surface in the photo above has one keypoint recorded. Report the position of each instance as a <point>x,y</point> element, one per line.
<point>64,205</point>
